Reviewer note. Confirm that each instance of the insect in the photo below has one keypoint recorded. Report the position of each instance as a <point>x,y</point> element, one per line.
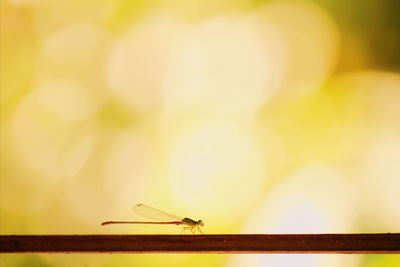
<point>165,218</point>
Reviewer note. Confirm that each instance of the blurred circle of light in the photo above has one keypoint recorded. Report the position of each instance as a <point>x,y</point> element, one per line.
<point>307,202</point>
<point>46,145</point>
<point>371,101</point>
<point>380,174</point>
<point>51,15</point>
<point>68,166</point>
<point>311,42</point>
<point>78,50</point>
<point>315,199</point>
<point>34,141</point>
<point>68,99</point>
<point>373,96</point>
<point>83,201</point>
<point>128,171</point>
<point>212,164</point>
<point>71,70</point>
<point>137,64</point>
<point>224,66</point>
<point>79,154</point>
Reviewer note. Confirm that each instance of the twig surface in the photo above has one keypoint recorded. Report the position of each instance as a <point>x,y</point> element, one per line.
<point>255,243</point>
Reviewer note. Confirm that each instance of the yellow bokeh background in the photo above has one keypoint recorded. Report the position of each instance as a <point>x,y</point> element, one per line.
<point>254,116</point>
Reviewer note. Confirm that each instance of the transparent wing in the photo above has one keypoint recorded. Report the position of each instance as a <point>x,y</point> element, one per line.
<point>154,214</point>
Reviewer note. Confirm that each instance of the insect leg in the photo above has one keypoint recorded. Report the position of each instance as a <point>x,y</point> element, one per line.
<point>186,228</point>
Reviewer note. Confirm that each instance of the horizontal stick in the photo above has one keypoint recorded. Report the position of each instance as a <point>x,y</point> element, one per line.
<point>274,243</point>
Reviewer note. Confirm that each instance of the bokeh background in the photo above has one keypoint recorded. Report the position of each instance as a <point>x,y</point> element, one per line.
<point>255,116</point>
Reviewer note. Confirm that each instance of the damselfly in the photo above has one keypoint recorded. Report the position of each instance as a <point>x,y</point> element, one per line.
<point>165,218</point>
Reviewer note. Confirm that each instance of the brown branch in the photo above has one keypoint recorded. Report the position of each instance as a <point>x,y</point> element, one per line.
<point>276,243</point>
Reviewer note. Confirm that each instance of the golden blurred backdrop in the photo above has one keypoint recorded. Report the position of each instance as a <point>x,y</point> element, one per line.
<point>256,116</point>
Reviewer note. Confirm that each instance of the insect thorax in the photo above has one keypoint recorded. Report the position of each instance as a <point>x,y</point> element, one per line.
<point>189,221</point>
